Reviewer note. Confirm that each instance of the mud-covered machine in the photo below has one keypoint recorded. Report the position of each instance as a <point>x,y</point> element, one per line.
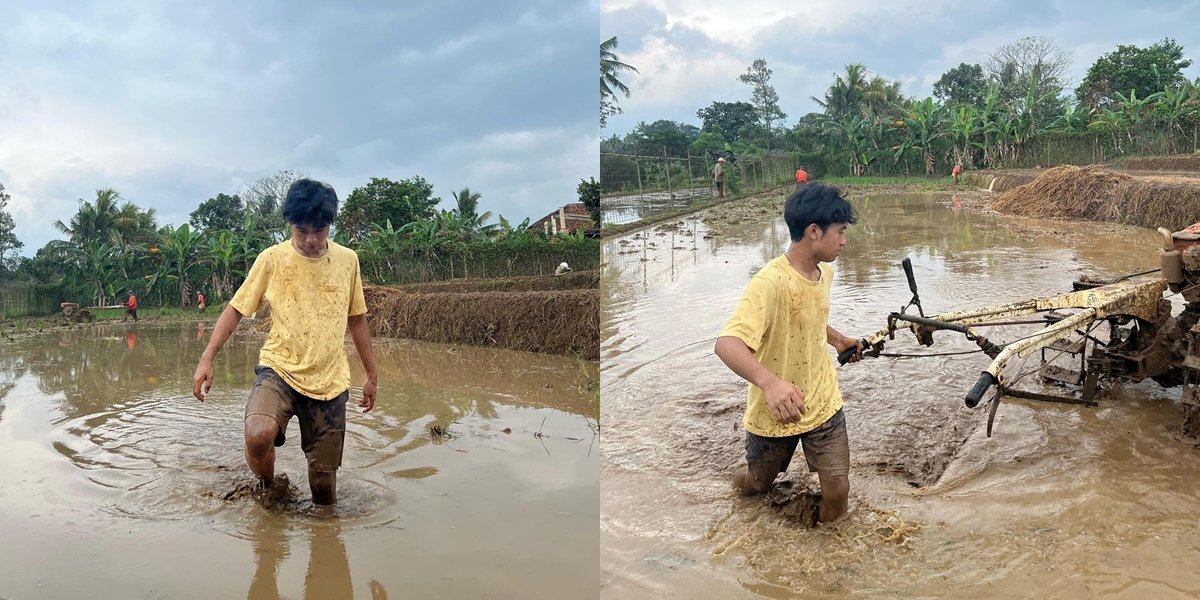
<point>1144,340</point>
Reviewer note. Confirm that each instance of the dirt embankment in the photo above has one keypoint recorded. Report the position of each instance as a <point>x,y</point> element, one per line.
<point>1095,193</point>
<point>556,315</point>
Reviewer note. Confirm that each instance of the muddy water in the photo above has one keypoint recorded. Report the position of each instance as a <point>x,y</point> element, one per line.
<point>113,477</point>
<point>1062,502</point>
<point>634,207</point>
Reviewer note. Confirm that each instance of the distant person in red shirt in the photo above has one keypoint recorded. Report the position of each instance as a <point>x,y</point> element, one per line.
<point>131,308</point>
<point>956,172</point>
<point>801,177</point>
<point>200,301</point>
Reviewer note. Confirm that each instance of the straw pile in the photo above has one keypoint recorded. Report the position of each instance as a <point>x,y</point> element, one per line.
<point>1095,194</point>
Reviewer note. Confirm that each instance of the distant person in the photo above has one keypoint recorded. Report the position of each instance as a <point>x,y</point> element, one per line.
<point>315,290</point>
<point>200,302</point>
<point>130,307</point>
<point>776,340</point>
<point>801,177</point>
<point>562,269</point>
<point>718,176</point>
<point>956,172</point>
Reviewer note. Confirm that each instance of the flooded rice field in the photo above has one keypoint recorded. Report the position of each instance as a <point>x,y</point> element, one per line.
<point>1063,501</point>
<point>635,207</point>
<point>114,478</point>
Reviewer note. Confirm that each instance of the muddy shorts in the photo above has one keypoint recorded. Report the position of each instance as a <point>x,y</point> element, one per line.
<point>826,448</point>
<point>322,422</point>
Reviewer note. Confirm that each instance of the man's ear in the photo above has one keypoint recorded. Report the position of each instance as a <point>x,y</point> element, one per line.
<point>814,230</point>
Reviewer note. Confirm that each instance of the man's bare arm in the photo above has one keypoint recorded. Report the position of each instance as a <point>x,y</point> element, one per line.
<point>226,324</point>
<point>360,333</point>
<point>785,400</point>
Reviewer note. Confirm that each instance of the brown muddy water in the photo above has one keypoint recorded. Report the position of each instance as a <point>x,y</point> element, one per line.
<point>113,476</point>
<point>1063,501</point>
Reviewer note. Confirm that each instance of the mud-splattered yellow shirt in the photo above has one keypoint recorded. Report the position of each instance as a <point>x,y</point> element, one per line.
<point>782,317</point>
<point>310,299</point>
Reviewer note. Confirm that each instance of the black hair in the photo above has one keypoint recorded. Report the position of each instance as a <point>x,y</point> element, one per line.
<point>310,203</point>
<point>816,203</point>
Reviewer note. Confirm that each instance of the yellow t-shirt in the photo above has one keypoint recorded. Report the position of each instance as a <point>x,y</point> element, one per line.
<point>310,300</point>
<point>782,318</point>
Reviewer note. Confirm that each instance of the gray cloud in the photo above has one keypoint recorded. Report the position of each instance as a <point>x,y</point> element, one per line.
<point>691,62</point>
<point>172,104</point>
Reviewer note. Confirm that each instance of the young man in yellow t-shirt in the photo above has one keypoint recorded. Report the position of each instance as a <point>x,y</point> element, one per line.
<point>776,340</point>
<point>314,287</point>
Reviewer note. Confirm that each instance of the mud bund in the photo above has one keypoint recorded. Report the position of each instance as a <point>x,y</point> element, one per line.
<point>552,321</point>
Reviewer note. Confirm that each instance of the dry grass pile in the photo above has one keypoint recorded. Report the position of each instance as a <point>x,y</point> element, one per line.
<point>1095,194</point>
<point>567,281</point>
<point>551,321</point>
<point>1185,162</point>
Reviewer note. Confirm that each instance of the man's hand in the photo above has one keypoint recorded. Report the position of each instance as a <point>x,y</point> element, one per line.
<point>369,389</point>
<point>844,343</point>
<point>785,400</point>
<point>203,379</point>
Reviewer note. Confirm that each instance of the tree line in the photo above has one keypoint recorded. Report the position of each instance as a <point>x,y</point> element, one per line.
<point>113,247</point>
<point>1133,100</point>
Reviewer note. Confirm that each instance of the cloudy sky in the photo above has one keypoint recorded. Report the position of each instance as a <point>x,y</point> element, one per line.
<point>690,52</point>
<point>171,103</point>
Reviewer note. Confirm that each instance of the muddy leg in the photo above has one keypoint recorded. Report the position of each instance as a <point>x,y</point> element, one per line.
<point>323,485</point>
<point>260,447</point>
<point>835,496</point>
<point>749,485</point>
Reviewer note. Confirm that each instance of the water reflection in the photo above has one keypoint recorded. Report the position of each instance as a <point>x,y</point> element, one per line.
<point>328,571</point>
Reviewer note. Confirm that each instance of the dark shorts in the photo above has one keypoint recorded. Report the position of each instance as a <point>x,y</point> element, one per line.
<point>322,422</point>
<point>826,449</point>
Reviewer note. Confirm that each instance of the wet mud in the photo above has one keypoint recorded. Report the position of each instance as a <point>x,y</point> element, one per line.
<point>938,508</point>
<point>123,485</point>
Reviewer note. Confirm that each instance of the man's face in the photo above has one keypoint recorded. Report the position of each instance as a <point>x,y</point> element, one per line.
<point>829,243</point>
<point>310,241</point>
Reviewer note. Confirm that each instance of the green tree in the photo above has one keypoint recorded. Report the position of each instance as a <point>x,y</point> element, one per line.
<point>94,221</point>
<point>223,212</point>
<point>9,244</point>
<point>845,96</point>
<point>382,200</point>
<point>964,84</point>
<point>764,97</point>
<point>265,198</point>
<point>611,68</point>
<point>467,210</point>
<point>727,119</point>
<point>589,195</point>
<point>651,138</point>
<point>1145,70</point>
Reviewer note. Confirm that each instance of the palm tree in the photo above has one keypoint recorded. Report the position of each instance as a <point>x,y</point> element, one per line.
<point>468,213</point>
<point>610,69</point>
<point>923,121</point>
<point>93,222</point>
<point>845,96</point>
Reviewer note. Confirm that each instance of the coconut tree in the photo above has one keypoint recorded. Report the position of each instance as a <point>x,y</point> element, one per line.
<point>180,250</point>
<point>611,68</point>
<point>94,221</point>
<point>845,96</point>
<point>469,218</point>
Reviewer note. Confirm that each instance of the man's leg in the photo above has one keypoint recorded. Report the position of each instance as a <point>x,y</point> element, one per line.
<point>267,412</point>
<point>827,451</point>
<point>322,436</point>
<point>766,458</point>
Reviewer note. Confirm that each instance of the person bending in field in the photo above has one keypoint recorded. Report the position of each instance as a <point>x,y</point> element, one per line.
<point>314,287</point>
<point>776,340</point>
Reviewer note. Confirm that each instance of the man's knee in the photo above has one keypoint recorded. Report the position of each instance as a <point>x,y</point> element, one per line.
<point>260,433</point>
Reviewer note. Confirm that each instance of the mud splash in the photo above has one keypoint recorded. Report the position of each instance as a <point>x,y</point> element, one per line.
<point>938,509</point>
<point>121,483</point>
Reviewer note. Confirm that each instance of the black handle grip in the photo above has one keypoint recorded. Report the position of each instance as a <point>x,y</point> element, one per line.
<point>844,356</point>
<point>976,394</point>
<point>908,273</point>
